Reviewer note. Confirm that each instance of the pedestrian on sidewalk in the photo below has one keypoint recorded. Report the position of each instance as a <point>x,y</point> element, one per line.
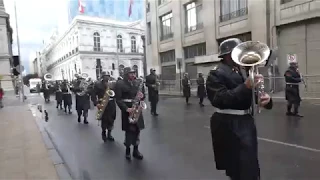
<point>186,86</point>
<point>1,97</point>
<point>201,89</point>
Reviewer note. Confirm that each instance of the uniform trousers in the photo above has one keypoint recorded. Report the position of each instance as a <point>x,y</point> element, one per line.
<point>132,135</point>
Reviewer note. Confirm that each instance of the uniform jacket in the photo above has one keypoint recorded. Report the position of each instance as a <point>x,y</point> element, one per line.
<point>201,87</point>
<point>82,102</point>
<point>127,90</point>
<point>292,91</point>
<point>186,87</point>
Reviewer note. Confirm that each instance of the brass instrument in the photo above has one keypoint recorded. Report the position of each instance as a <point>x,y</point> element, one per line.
<point>104,101</point>
<point>138,105</point>
<point>84,84</point>
<point>47,77</point>
<point>251,54</point>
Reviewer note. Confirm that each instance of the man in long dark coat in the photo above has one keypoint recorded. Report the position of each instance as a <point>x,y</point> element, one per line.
<point>66,96</point>
<point>58,95</point>
<point>153,91</point>
<point>233,130</point>
<point>186,87</point>
<point>127,92</point>
<point>201,89</point>
<point>293,80</point>
<point>82,101</point>
<point>109,114</point>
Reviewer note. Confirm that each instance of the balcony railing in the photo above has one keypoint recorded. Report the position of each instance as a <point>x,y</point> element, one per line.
<point>193,28</point>
<point>166,36</point>
<point>235,14</point>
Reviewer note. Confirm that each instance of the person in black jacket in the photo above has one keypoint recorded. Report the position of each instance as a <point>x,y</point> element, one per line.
<point>82,100</point>
<point>201,89</point>
<point>153,92</point>
<point>109,114</point>
<point>233,131</point>
<point>186,87</point>
<point>293,79</point>
<point>58,94</point>
<point>66,96</point>
<point>127,92</point>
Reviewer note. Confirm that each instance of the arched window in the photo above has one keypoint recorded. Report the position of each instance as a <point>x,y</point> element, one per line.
<point>119,43</point>
<point>121,68</point>
<point>133,44</point>
<point>135,68</point>
<point>96,41</point>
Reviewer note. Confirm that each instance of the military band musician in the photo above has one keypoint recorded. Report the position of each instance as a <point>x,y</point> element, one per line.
<point>186,87</point>
<point>58,95</point>
<point>234,135</point>
<point>66,96</point>
<point>201,89</point>
<point>126,92</point>
<point>153,91</point>
<point>109,115</point>
<point>82,92</point>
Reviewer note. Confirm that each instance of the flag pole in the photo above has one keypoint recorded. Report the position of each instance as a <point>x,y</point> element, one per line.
<point>18,44</point>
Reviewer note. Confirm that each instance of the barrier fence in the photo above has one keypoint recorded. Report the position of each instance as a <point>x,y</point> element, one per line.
<point>273,85</point>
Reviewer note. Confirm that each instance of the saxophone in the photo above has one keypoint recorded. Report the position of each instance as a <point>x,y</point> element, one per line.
<point>104,101</point>
<point>138,105</point>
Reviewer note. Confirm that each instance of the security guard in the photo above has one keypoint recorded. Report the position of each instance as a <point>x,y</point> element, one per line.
<point>153,92</point>
<point>109,114</point>
<point>127,90</point>
<point>293,79</point>
<point>233,130</point>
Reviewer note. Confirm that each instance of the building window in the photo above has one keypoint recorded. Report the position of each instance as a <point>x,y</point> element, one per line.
<point>148,7</point>
<point>166,26</point>
<point>195,50</point>
<point>231,9</point>
<point>149,32</point>
<point>135,68</point>
<point>113,67</point>
<point>96,41</point>
<point>119,43</point>
<point>162,1</point>
<point>193,21</point>
<point>285,1</point>
<point>168,56</point>
<point>133,44</point>
<point>121,68</point>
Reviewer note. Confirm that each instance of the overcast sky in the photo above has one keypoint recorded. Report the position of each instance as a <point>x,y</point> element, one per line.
<point>36,21</point>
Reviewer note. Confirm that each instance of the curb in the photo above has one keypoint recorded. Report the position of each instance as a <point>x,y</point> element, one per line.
<point>57,160</point>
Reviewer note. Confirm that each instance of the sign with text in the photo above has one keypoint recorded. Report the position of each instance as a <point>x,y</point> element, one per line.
<point>291,58</point>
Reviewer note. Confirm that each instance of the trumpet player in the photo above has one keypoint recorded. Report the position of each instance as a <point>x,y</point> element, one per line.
<point>109,114</point>
<point>126,92</point>
<point>186,86</point>
<point>153,91</point>
<point>233,131</point>
<point>293,79</point>
<point>66,96</point>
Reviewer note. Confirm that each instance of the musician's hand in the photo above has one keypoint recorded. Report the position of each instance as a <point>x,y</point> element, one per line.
<point>257,80</point>
<point>130,110</point>
<point>264,99</point>
<point>140,95</point>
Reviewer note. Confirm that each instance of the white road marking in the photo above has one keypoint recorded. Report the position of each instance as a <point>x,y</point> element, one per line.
<point>284,143</point>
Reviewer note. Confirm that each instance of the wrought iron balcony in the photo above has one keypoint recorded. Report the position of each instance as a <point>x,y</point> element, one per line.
<point>194,28</point>
<point>166,36</point>
<point>235,14</point>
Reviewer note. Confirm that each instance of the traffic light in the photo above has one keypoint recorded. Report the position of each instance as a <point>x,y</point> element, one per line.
<point>16,63</point>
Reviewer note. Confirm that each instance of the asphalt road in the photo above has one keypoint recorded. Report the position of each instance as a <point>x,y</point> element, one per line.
<point>177,144</point>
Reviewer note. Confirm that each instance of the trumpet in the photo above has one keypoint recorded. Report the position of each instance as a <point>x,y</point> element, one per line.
<point>252,54</point>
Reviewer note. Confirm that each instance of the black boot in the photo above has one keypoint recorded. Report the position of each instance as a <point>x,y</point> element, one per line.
<point>289,113</point>
<point>128,155</point>
<point>79,119</point>
<point>85,121</point>
<point>136,154</point>
<point>110,137</point>
<point>70,112</point>
<point>104,136</point>
<point>295,112</point>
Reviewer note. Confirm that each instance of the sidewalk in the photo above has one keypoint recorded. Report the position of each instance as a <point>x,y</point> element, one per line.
<point>23,154</point>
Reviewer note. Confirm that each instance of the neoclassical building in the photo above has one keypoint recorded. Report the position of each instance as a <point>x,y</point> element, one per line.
<point>93,45</point>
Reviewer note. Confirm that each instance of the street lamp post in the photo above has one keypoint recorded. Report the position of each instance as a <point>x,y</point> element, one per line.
<point>19,55</point>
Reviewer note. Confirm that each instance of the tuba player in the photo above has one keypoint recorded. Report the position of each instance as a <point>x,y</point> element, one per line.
<point>109,114</point>
<point>82,99</point>
<point>233,131</point>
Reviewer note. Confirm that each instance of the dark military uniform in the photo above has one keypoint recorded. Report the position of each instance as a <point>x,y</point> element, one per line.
<point>58,95</point>
<point>82,102</point>
<point>46,91</point>
<point>201,89</point>
<point>292,78</point>
<point>126,91</point>
<point>186,87</point>
<point>109,114</point>
<point>153,92</point>
<point>233,131</point>
<point>66,96</point>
